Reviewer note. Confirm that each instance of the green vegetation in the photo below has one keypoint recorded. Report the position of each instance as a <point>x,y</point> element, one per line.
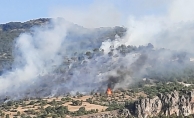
<point>115,106</point>
<point>161,80</point>
<point>76,102</point>
<point>165,88</point>
<point>58,107</point>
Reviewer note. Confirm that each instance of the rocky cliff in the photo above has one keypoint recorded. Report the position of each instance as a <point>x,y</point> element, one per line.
<point>174,103</point>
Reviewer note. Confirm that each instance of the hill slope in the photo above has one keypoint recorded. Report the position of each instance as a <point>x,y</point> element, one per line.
<point>10,31</point>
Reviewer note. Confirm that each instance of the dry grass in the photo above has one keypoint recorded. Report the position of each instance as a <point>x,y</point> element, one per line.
<point>98,103</point>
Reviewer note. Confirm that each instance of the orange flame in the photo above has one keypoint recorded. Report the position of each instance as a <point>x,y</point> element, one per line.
<point>109,91</point>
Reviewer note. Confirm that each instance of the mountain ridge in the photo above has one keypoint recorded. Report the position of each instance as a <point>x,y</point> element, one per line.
<point>9,32</point>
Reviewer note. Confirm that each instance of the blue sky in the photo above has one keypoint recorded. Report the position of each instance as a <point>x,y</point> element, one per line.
<point>23,10</point>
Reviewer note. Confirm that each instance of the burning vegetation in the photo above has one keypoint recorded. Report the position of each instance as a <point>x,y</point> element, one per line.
<point>109,91</point>
<point>123,66</point>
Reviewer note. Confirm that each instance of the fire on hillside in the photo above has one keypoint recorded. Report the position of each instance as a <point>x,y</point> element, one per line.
<point>108,91</point>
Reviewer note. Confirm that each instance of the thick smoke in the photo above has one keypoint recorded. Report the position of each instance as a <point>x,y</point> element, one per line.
<point>35,55</point>
<point>53,60</point>
<point>172,29</point>
<point>59,57</point>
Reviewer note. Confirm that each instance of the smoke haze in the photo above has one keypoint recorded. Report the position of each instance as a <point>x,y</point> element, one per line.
<point>172,30</point>
<point>40,66</point>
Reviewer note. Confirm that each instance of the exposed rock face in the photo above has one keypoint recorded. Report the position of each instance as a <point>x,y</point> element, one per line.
<point>148,107</point>
<point>169,104</point>
<point>124,113</point>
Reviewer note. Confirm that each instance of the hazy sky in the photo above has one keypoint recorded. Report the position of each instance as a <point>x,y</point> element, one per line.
<point>23,10</point>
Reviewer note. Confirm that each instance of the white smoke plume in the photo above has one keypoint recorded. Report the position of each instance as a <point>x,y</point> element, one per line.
<point>40,55</point>
<point>172,29</point>
<point>35,55</point>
